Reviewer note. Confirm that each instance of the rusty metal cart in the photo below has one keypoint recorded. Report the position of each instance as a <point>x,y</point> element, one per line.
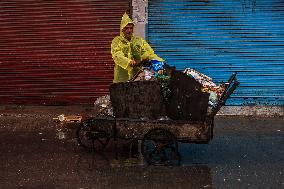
<point>159,138</point>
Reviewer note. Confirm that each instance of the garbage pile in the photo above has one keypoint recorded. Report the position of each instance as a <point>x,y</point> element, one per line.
<point>161,71</point>
<point>103,106</point>
<point>208,85</point>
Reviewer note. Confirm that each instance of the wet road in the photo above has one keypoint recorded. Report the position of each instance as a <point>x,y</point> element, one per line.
<point>245,153</point>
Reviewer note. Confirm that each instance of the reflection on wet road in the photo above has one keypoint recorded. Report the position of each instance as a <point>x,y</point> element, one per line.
<point>42,158</point>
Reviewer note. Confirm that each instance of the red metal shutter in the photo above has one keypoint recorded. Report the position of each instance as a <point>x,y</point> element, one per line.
<point>57,52</point>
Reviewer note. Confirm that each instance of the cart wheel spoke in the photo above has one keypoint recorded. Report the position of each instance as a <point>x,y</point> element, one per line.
<point>160,147</point>
<point>153,152</point>
<point>101,142</point>
<point>90,138</point>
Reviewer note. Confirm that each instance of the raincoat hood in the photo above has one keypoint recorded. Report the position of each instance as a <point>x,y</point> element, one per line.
<point>124,21</point>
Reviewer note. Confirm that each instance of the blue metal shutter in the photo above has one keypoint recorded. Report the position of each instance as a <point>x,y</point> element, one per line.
<point>219,37</point>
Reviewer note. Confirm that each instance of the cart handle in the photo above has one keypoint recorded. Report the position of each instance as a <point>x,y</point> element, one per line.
<point>229,89</point>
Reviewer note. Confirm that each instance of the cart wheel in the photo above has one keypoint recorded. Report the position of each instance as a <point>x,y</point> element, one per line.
<point>160,147</point>
<point>91,138</point>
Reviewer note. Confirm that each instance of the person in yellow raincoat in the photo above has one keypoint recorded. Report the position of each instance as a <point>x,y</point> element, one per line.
<point>128,51</point>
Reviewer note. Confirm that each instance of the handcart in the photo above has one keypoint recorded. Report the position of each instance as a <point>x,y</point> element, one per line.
<point>159,138</point>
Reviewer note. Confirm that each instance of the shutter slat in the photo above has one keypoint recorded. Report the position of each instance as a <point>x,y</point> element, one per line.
<point>220,37</point>
<point>57,52</point>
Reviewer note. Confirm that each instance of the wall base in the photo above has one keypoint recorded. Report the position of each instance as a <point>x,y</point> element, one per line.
<point>252,110</point>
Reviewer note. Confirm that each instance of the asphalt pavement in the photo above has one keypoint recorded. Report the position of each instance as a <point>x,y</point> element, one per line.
<point>246,152</point>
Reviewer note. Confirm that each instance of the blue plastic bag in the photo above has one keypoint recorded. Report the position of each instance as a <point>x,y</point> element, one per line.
<point>157,65</point>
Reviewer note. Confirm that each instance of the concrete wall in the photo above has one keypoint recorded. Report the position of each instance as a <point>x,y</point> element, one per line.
<point>140,16</point>
<point>269,111</point>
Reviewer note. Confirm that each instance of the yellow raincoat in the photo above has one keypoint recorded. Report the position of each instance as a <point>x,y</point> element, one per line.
<point>123,51</point>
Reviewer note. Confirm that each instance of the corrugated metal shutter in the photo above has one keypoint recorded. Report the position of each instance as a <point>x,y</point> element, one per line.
<point>57,52</point>
<point>218,37</point>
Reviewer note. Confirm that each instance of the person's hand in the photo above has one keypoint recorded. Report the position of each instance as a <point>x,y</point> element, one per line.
<point>132,63</point>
